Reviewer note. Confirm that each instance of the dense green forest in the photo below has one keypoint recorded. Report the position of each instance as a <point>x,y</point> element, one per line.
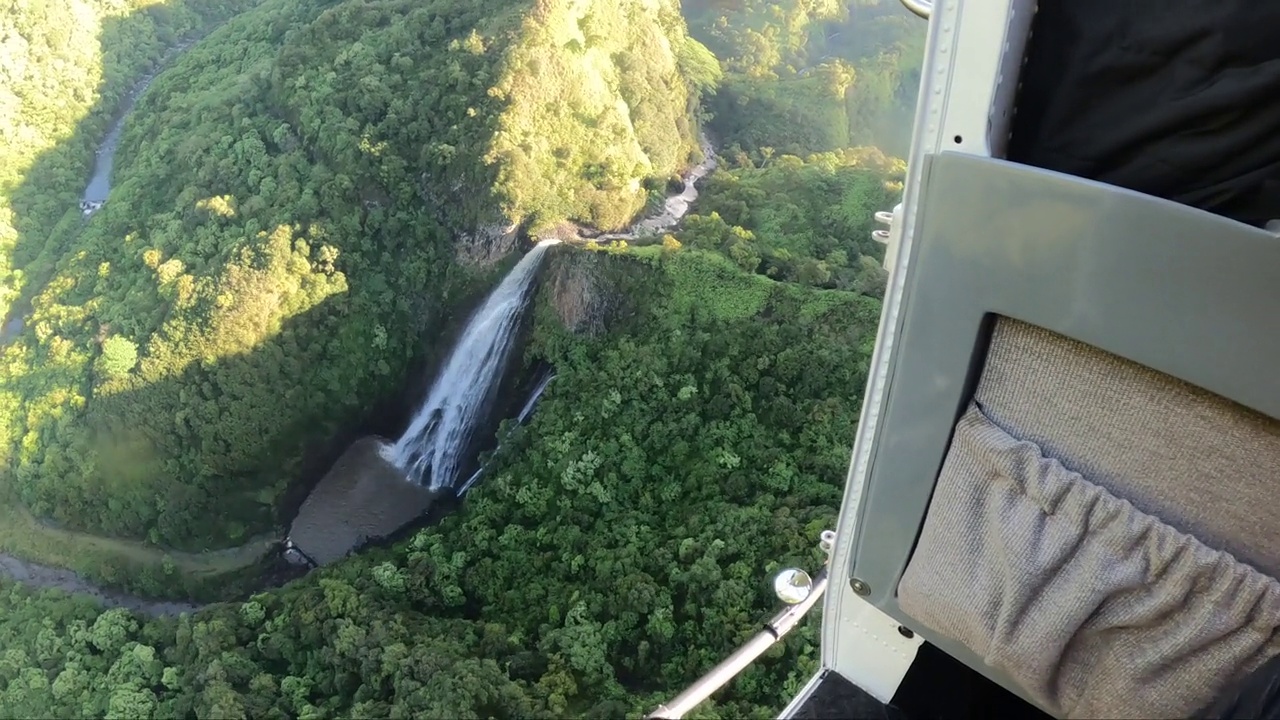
<point>810,76</point>
<point>65,69</point>
<point>304,205</point>
<point>806,221</point>
<point>618,548</point>
<point>290,197</point>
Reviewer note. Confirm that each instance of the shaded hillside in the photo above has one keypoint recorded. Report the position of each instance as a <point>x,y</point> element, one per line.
<point>66,67</point>
<point>621,545</point>
<point>298,205</point>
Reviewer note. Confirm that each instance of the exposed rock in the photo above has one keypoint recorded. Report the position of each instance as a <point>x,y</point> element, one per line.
<point>567,231</point>
<point>584,300</point>
<point>486,245</point>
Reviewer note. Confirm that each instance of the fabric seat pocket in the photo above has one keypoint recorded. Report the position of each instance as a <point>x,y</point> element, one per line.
<point>1094,608</point>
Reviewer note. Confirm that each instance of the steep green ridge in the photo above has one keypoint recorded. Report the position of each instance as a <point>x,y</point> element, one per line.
<point>620,547</point>
<point>806,76</point>
<point>65,69</point>
<point>610,108</point>
<point>299,204</point>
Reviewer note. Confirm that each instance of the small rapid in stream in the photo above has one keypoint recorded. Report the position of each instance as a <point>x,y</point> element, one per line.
<point>676,206</point>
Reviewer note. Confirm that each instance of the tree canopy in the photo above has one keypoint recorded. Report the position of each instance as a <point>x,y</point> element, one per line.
<point>292,210</point>
<point>305,206</point>
<point>806,76</point>
<point>620,547</point>
<point>806,221</point>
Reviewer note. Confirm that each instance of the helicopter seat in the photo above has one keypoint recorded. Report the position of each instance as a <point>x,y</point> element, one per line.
<point>1104,533</point>
<point>1073,488</point>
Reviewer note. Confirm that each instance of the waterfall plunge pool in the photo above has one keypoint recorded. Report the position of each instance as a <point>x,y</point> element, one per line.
<point>377,487</point>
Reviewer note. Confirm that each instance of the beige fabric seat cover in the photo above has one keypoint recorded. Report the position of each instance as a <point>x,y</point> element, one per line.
<point>1084,533</point>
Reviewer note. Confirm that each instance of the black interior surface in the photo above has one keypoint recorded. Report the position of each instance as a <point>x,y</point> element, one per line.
<point>1179,99</point>
<point>940,687</point>
<point>937,687</point>
<point>835,698</point>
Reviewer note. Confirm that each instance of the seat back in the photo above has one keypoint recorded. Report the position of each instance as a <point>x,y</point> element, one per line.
<point>1071,481</point>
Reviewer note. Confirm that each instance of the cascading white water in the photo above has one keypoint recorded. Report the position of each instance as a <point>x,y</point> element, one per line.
<point>433,450</point>
<point>525,412</point>
<point>534,396</point>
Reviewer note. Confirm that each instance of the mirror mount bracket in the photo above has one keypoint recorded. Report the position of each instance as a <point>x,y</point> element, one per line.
<point>795,583</point>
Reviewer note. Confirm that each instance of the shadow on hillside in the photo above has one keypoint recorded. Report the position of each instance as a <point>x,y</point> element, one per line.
<point>186,461</point>
<point>49,224</point>
<point>45,203</point>
<point>132,435</point>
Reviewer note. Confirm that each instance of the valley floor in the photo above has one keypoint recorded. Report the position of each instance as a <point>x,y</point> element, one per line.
<point>85,555</point>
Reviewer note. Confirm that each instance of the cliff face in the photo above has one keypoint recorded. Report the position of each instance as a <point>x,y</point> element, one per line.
<point>576,290</point>
<point>486,245</point>
<point>590,293</point>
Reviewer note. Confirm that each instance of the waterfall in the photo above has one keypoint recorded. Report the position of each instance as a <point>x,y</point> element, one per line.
<point>540,388</point>
<point>433,450</point>
<point>525,412</point>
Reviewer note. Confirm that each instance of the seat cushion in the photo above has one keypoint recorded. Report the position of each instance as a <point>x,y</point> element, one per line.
<point>1094,607</point>
<point>1202,464</point>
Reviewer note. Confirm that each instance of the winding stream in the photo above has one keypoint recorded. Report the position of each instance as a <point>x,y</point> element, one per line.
<point>676,206</point>
<point>99,187</point>
<point>94,196</point>
<point>10,330</point>
<point>44,576</point>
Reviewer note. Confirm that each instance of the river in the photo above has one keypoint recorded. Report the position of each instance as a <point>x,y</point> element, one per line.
<point>10,330</point>
<point>94,196</point>
<point>676,206</point>
<point>44,576</point>
<point>99,187</point>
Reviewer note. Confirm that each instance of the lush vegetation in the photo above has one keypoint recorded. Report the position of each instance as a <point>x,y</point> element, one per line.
<point>287,209</point>
<point>808,76</point>
<point>801,221</point>
<point>301,206</point>
<point>66,68</point>
<point>612,104</point>
<point>620,546</point>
